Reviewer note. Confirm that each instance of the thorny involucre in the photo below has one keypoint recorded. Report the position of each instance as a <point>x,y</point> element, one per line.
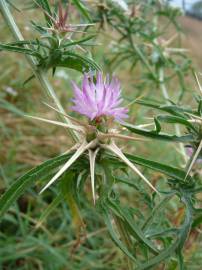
<point>99,99</point>
<point>96,101</point>
<point>60,22</point>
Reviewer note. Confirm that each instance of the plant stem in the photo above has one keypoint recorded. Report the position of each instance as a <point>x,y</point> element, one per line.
<point>38,73</point>
<point>166,96</point>
<point>141,56</point>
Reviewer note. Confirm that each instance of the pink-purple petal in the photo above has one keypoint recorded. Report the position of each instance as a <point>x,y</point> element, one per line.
<point>99,99</point>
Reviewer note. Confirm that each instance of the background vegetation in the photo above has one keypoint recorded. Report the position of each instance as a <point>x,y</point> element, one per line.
<point>136,48</point>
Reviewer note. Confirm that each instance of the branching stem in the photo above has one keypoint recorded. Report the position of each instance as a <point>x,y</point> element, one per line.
<point>166,96</point>
<point>38,73</point>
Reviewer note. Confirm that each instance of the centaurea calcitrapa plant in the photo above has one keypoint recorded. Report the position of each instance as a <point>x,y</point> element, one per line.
<point>136,209</point>
<point>100,103</point>
<point>55,44</point>
<point>147,35</point>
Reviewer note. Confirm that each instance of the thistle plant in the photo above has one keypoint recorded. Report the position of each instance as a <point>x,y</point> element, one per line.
<point>150,212</point>
<point>140,40</point>
<point>98,102</point>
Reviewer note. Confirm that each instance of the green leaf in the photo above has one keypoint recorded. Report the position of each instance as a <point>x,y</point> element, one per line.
<point>29,42</point>
<point>28,79</point>
<point>46,7</point>
<point>66,43</point>
<point>84,11</point>
<point>197,221</point>
<point>170,171</point>
<point>160,136</point>
<point>178,244</point>
<point>172,109</point>
<point>173,172</point>
<point>113,235</point>
<point>155,211</point>
<point>159,258</point>
<point>136,231</point>
<point>27,180</point>
<point>175,120</point>
<point>157,125</point>
<point>17,49</point>
<point>77,62</point>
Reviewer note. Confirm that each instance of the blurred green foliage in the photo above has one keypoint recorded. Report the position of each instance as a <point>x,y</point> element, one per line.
<point>62,229</point>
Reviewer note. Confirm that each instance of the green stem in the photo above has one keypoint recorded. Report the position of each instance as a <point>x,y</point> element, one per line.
<point>38,73</point>
<point>166,96</point>
<point>141,56</point>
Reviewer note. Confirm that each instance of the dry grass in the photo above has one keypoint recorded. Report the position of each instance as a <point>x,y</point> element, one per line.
<point>193,39</point>
<point>28,143</point>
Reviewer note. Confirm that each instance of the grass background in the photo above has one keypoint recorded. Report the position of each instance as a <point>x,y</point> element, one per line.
<point>53,244</point>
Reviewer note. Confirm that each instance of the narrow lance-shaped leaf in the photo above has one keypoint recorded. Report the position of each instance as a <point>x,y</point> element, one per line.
<point>82,9</point>
<point>160,136</point>
<point>170,171</point>
<point>175,120</point>
<point>27,180</point>
<point>36,42</point>
<point>137,233</point>
<point>67,43</point>
<point>172,109</point>
<point>46,8</point>
<point>17,49</point>
<point>77,61</point>
<point>113,235</point>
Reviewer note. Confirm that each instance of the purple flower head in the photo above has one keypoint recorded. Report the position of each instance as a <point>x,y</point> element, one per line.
<point>99,99</point>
